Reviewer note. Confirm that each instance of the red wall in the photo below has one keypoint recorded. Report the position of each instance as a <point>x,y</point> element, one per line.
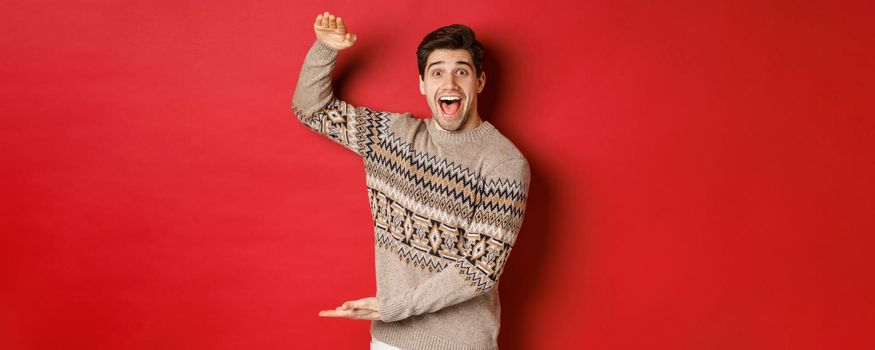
<point>702,172</point>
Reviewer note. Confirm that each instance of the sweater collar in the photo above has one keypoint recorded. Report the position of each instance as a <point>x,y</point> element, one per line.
<point>473,134</point>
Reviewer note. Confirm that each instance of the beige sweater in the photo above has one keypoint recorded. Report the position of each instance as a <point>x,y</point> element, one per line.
<point>447,207</point>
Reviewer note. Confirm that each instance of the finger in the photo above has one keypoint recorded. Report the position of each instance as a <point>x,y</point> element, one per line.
<point>340,25</point>
<point>356,313</point>
<point>318,20</point>
<point>361,312</point>
<point>350,305</point>
<point>332,22</point>
<point>364,315</point>
<point>336,313</point>
<point>325,19</point>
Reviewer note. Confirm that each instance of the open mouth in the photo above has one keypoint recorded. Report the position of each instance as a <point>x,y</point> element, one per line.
<point>450,105</point>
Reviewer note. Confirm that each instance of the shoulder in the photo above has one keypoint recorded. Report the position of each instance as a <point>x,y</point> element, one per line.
<point>504,160</point>
<point>498,148</point>
<point>405,120</point>
<point>405,126</point>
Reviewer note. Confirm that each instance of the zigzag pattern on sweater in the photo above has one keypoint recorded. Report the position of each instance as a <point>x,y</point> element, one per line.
<point>501,205</point>
<point>427,183</point>
<point>431,244</point>
<point>423,261</point>
<point>358,130</point>
<point>394,158</point>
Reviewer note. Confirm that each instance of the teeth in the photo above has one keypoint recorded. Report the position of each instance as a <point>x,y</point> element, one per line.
<point>450,98</point>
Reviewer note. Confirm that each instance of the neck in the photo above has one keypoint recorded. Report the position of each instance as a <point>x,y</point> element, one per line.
<point>473,134</point>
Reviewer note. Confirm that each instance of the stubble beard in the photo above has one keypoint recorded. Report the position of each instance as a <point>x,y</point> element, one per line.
<point>453,125</point>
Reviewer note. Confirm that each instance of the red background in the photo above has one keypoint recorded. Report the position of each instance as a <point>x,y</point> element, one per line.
<point>702,172</point>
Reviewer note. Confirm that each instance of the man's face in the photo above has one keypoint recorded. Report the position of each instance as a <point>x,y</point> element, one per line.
<point>450,86</point>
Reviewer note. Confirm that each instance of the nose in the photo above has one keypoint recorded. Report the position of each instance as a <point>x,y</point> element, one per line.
<point>451,83</point>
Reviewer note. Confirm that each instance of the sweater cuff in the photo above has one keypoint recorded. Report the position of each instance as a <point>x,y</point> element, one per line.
<point>321,49</point>
<point>389,309</point>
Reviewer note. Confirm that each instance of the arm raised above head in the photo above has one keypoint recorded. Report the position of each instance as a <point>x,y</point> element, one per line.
<point>314,102</point>
<point>314,82</point>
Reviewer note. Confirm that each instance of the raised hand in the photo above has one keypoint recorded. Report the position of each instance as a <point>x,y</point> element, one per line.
<point>332,31</point>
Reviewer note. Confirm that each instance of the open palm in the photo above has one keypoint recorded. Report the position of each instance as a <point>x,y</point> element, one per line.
<point>332,31</point>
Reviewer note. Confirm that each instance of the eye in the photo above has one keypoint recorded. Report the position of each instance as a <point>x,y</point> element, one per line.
<point>463,72</point>
<point>436,73</point>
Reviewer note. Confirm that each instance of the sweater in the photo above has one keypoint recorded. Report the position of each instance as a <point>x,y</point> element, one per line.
<point>446,208</point>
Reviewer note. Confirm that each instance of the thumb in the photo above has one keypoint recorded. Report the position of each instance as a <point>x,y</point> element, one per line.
<point>350,37</point>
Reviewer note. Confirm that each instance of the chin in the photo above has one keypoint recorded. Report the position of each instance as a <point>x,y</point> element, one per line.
<point>454,125</point>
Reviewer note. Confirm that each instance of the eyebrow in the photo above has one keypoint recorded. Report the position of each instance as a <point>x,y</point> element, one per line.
<point>457,62</point>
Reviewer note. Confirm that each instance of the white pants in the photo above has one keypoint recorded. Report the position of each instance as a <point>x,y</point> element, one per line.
<point>378,345</point>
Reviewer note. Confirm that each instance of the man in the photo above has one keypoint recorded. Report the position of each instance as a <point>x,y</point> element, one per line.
<point>447,193</point>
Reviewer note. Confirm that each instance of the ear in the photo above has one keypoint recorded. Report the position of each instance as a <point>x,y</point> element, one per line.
<point>421,86</point>
<point>481,81</point>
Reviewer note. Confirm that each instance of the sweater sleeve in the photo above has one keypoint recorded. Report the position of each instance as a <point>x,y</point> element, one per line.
<point>484,247</point>
<point>315,105</point>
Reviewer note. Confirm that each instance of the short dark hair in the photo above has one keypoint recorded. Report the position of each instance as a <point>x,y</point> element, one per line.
<point>454,36</point>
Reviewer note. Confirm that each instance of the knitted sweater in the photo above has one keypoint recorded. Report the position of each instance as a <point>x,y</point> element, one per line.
<point>446,207</point>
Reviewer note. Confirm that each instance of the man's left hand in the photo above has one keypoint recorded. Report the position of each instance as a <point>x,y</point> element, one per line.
<point>362,309</point>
